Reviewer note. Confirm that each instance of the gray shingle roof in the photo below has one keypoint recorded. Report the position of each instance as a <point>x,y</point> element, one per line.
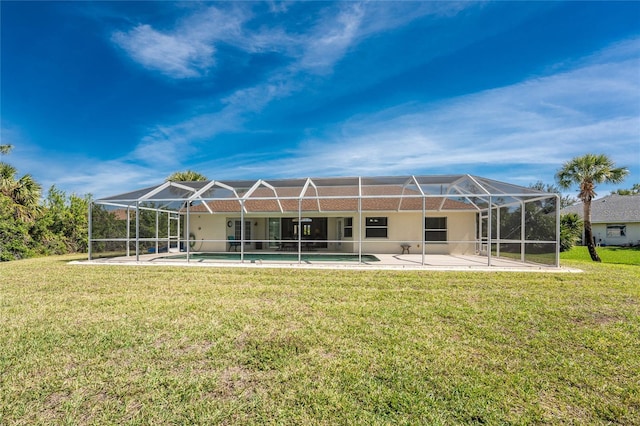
<point>612,208</point>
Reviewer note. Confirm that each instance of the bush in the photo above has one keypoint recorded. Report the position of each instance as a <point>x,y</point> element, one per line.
<point>570,230</point>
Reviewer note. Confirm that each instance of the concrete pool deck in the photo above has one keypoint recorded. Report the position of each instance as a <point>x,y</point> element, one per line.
<point>404,262</point>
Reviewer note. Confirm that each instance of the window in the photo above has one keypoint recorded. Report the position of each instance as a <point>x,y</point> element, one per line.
<point>435,229</point>
<point>348,227</point>
<point>616,230</point>
<point>376,227</point>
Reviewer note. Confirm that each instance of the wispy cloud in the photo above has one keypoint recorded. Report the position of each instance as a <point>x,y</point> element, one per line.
<point>530,127</point>
<point>330,40</point>
<point>187,52</point>
<point>534,125</point>
<point>177,56</point>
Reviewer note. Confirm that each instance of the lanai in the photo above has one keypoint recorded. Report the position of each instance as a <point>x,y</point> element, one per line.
<point>426,212</point>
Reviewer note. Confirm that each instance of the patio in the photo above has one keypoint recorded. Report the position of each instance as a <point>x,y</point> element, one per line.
<point>405,262</point>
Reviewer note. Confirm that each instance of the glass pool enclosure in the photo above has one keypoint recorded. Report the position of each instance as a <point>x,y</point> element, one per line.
<point>414,216</point>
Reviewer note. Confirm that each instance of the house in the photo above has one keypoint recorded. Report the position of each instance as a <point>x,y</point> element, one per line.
<point>615,219</point>
<point>444,214</point>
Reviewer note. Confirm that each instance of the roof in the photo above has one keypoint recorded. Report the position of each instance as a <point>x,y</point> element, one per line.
<point>612,208</point>
<point>391,193</point>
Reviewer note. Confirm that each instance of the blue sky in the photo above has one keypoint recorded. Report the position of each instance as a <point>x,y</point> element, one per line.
<point>105,97</point>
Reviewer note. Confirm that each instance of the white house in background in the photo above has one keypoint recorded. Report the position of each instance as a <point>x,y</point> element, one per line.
<point>615,219</point>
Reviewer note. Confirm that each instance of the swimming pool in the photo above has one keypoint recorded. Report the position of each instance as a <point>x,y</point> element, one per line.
<point>276,257</point>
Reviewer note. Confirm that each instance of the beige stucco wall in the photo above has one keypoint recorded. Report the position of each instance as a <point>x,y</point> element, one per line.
<point>407,228</point>
<point>402,228</point>
<point>209,227</point>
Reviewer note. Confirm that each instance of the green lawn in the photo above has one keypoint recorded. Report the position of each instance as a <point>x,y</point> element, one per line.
<point>169,345</point>
<point>620,255</point>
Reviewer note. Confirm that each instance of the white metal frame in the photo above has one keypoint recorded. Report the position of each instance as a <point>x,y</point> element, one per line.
<point>489,195</point>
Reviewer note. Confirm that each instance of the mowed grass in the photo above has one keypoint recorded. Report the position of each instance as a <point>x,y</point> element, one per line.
<point>171,345</point>
<point>619,255</point>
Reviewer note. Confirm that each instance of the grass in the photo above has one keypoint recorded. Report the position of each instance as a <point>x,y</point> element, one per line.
<point>169,345</point>
<point>614,255</point>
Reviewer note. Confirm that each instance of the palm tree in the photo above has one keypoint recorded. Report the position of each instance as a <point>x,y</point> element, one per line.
<point>186,176</point>
<point>587,171</point>
<point>5,149</point>
<point>24,193</point>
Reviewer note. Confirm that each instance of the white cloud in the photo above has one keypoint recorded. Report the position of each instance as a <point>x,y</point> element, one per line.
<point>533,126</point>
<point>176,56</point>
<point>330,40</point>
<point>517,132</point>
<point>188,50</point>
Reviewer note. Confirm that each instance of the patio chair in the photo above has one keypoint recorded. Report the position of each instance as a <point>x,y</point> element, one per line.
<point>233,243</point>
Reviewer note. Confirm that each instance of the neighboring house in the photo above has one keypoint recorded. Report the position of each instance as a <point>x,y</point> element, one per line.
<point>448,214</point>
<point>615,219</point>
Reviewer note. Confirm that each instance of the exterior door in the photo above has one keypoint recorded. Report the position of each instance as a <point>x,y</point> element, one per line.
<point>274,232</point>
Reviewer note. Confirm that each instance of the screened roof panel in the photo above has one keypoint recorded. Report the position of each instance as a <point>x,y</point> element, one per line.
<point>287,183</point>
<point>435,189</point>
<point>467,185</point>
<point>329,194</point>
<point>333,182</point>
<point>495,187</point>
<point>339,191</point>
<point>133,195</point>
<point>385,180</point>
<point>217,192</point>
<point>170,193</point>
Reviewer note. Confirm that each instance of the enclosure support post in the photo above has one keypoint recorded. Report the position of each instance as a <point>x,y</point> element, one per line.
<point>90,229</point>
<point>523,233</point>
<point>157,230</point>
<point>299,230</point>
<point>128,231</point>
<point>479,233</point>
<point>242,231</point>
<point>489,231</point>
<point>498,232</point>
<point>360,227</point>
<point>187,240</point>
<point>137,231</point>
<point>424,228</point>
<point>557,230</point>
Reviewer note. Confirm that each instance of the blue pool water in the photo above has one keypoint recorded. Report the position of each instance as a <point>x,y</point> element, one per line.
<point>278,257</point>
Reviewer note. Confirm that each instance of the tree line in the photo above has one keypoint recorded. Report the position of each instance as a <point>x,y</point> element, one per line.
<point>32,225</point>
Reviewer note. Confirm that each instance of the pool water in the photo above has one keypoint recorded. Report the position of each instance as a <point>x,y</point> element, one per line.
<point>278,257</point>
